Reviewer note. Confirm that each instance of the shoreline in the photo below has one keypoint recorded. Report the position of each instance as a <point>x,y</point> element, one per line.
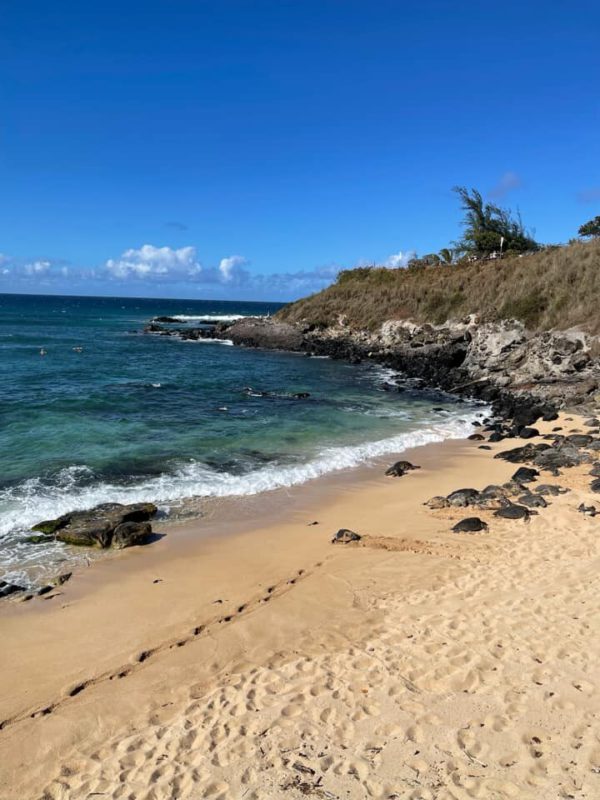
<point>115,659</point>
<point>370,454</point>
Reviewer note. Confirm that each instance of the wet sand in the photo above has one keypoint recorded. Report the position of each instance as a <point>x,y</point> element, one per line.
<point>244,655</point>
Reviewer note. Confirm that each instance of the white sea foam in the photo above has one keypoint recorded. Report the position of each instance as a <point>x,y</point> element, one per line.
<point>227,342</point>
<point>207,317</point>
<point>32,500</point>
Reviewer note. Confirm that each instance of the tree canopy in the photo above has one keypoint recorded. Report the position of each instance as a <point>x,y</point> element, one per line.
<point>591,228</point>
<point>486,224</point>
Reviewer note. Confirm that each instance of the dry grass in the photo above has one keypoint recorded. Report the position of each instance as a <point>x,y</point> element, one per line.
<point>557,288</point>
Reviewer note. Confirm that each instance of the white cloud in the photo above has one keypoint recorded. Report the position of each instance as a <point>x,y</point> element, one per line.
<point>150,261</point>
<point>37,267</point>
<point>228,267</point>
<point>399,259</point>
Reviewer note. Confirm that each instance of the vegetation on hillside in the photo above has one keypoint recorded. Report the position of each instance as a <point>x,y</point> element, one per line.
<point>556,287</point>
<point>591,228</point>
<point>487,228</point>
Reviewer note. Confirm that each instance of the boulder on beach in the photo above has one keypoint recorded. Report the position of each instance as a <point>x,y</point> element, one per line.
<point>105,525</point>
<point>528,433</point>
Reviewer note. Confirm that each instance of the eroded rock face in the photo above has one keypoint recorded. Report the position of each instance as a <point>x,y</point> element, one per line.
<point>529,374</point>
<point>110,524</point>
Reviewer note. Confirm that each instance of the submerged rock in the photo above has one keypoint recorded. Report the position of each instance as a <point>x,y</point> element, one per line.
<point>6,589</point>
<point>105,525</point>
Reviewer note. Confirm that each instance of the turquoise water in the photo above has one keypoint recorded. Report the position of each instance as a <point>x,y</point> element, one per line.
<point>137,417</point>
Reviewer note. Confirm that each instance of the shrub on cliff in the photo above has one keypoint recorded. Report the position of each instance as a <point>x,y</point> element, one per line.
<point>591,228</point>
<point>489,228</point>
<point>557,287</point>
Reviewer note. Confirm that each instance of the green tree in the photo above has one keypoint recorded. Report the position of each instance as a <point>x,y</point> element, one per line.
<point>446,255</point>
<point>485,225</point>
<point>591,228</point>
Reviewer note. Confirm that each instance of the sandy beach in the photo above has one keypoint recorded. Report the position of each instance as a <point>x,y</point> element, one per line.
<point>245,656</point>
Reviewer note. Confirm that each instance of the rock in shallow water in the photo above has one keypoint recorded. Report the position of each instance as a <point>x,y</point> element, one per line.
<point>108,524</point>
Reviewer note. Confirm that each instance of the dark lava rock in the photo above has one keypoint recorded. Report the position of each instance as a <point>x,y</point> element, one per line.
<point>513,512</point>
<point>589,510</point>
<point>470,525</point>
<point>532,500</point>
<point>525,475</point>
<point>463,497</point>
<point>595,445</point>
<point>476,437</point>
<point>580,439</point>
<point>98,526</point>
<point>129,534</point>
<point>484,447</point>
<point>595,486</point>
<point>592,423</point>
<point>528,433</point>
<point>550,416</point>
<point>165,319</point>
<point>7,589</point>
<point>519,455</point>
<point>345,536</point>
<point>495,437</point>
<point>266,333</point>
<point>400,468</point>
<point>527,416</point>
<point>595,470</point>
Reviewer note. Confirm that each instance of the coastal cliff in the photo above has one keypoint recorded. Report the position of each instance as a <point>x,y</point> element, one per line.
<point>514,331</point>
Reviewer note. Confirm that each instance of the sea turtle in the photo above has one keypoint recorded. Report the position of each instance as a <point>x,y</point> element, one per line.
<point>345,536</point>
<point>525,475</point>
<point>514,512</point>
<point>470,525</point>
<point>400,468</point>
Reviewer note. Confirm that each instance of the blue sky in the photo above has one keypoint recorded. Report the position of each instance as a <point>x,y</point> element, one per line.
<point>249,149</point>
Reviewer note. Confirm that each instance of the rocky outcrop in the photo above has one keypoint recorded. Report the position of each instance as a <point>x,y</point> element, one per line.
<point>107,525</point>
<point>526,374</point>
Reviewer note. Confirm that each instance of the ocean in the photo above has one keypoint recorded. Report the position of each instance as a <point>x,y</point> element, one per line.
<point>92,410</point>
